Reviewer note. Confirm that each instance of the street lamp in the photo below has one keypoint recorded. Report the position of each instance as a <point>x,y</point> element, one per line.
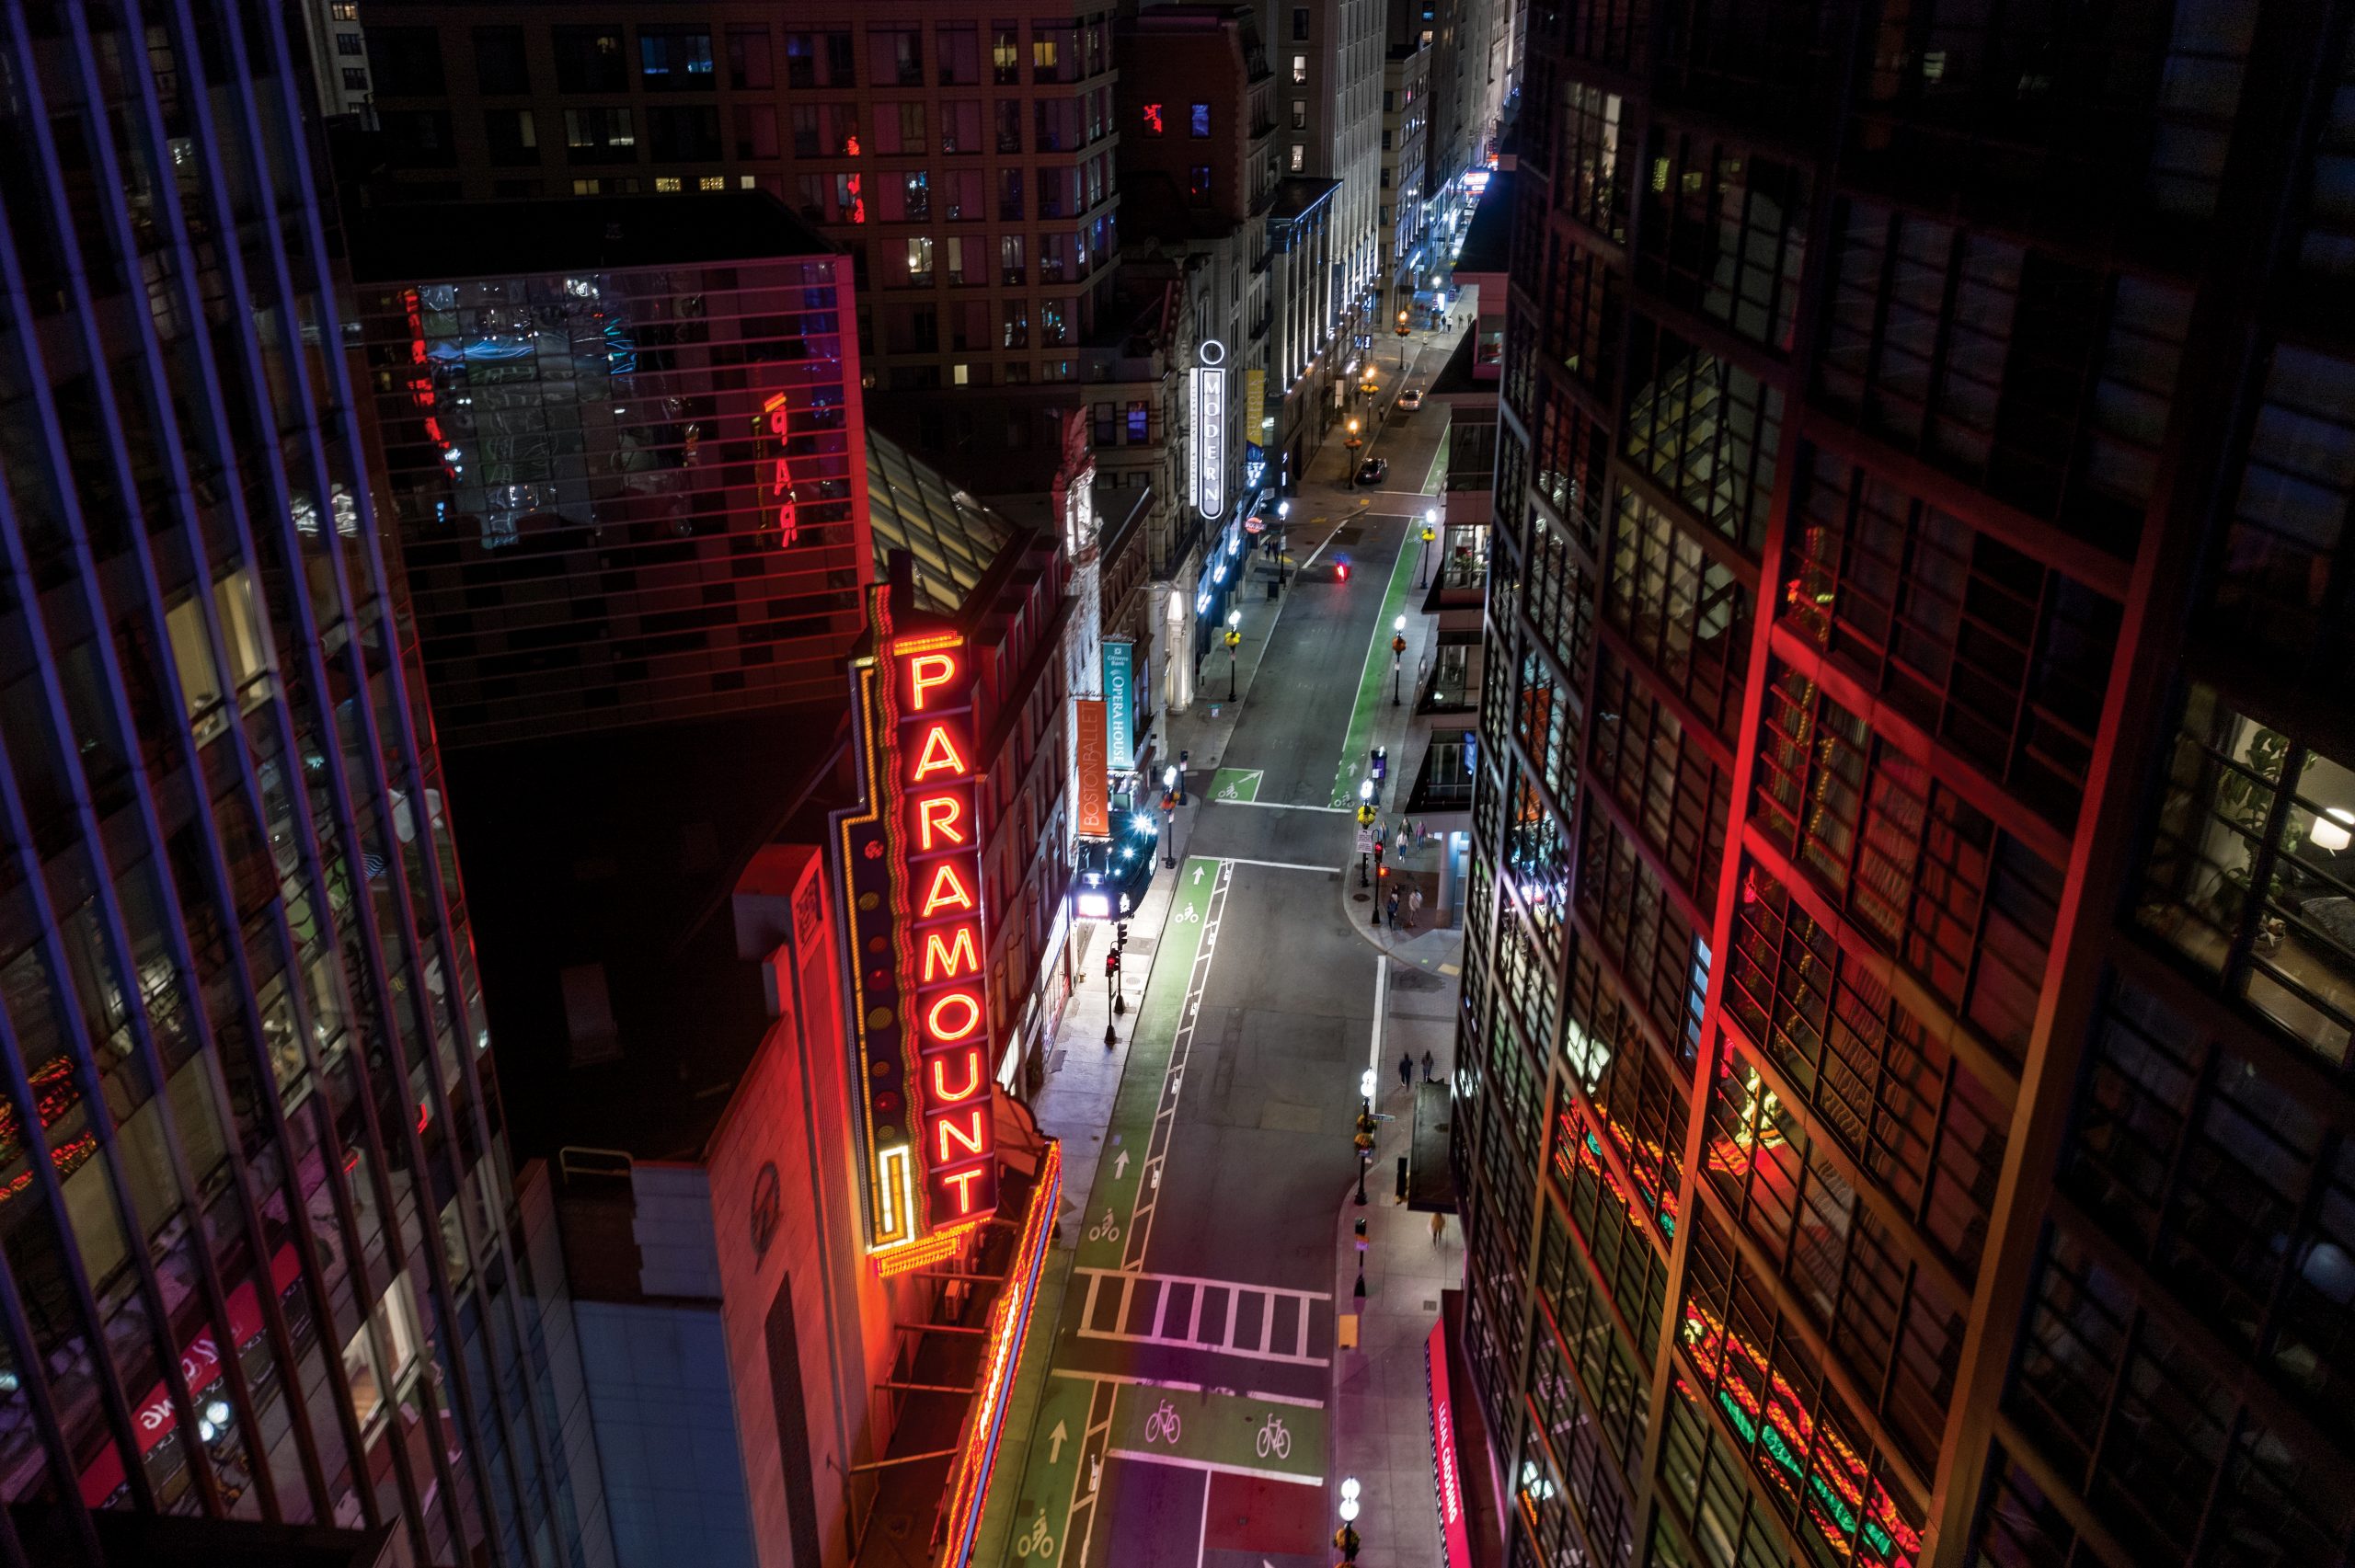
<point>1345,1539</point>
<point>1365,821</point>
<point>1363,1140</point>
<point>1234,641</point>
<point>1397,656</point>
<point>1423,555</point>
<point>1169,815</point>
<point>1353,443</point>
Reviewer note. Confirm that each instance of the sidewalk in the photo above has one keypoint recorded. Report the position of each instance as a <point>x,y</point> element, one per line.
<point>1381,1419</point>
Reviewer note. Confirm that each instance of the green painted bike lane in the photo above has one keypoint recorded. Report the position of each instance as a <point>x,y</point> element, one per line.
<point>1060,1410</point>
<point>1237,783</point>
<point>1204,1430</point>
<point>1361,734</point>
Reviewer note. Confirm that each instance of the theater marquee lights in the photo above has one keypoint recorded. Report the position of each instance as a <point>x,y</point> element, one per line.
<point>910,868</point>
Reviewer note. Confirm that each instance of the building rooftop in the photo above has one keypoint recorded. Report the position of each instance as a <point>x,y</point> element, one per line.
<point>1299,195</point>
<point>428,241</point>
<point>1488,244</point>
<point>912,507</point>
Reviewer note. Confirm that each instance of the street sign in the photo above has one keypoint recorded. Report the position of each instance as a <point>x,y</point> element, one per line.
<point>1257,524</point>
<point>1365,840</point>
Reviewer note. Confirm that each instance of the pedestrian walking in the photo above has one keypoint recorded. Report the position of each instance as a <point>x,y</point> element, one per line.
<point>1427,1067</point>
<point>1414,907</point>
<point>1439,1228</point>
<point>1406,1071</point>
<point>1394,908</point>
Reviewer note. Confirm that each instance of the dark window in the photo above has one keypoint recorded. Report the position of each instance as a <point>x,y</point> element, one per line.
<point>510,137</point>
<point>895,56</point>
<point>419,138</point>
<point>674,60</point>
<point>1299,23</point>
<point>961,54</point>
<point>1706,428</point>
<point>354,80</point>
<point>749,61</point>
<point>589,60</point>
<point>600,136</point>
<point>500,64</point>
<point>1198,185</point>
<point>406,61</point>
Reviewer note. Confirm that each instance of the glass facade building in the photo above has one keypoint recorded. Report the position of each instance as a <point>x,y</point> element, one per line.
<point>1911,958</point>
<point>261,1246</point>
<point>621,455</point>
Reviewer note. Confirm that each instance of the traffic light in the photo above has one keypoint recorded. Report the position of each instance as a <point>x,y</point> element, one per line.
<point>1120,936</point>
<point>1111,963</point>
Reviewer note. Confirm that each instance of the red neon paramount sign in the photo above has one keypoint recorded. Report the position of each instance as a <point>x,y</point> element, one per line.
<point>911,864</point>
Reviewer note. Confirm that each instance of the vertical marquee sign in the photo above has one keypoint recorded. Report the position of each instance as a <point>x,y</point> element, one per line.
<point>1206,398</point>
<point>911,868</point>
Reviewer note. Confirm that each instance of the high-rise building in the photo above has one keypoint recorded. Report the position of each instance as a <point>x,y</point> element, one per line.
<point>1399,252</point>
<point>1330,82</point>
<point>621,451</point>
<point>262,1253</point>
<point>1909,973</point>
<point>965,164</point>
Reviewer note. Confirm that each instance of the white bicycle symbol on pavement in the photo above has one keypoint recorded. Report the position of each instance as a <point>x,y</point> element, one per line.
<point>1037,1540</point>
<point>1273,1439</point>
<point>1188,915</point>
<point>1105,1229</point>
<point>1161,1426</point>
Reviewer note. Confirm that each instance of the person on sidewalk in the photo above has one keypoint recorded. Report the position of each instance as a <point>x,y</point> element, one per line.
<point>1427,1067</point>
<point>1392,908</point>
<point>1414,907</point>
<point>1439,1227</point>
<point>1406,1071</point>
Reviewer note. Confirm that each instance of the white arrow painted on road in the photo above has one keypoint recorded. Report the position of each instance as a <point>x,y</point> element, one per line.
<point>1121,1167</point>
<point>1055,1440</point>
<point>1198,877</point>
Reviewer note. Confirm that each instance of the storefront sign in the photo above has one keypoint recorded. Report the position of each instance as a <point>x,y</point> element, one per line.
<point>1120,703</point>
<point>909,864</point>
<point>1447,1468</point>
<point>1206,417</point>
<point>1095,803</point>
<point>1255,405</point>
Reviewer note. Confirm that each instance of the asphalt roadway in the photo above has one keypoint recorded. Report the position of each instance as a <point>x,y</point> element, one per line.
<point>1183,1423</point>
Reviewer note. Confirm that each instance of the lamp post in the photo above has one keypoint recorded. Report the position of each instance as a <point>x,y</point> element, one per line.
<point>1397,656</point>
<point>1234,641</point>
<point>1365,821</point>
<point>1283,538</point>
<point>1353,443</point>
<point>1423,555</point>
<point>1364,1140</point>
<point>1345,1539</point>
<point>1169,815</point>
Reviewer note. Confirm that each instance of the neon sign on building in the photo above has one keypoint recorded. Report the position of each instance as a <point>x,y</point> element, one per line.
<point>910,867</point>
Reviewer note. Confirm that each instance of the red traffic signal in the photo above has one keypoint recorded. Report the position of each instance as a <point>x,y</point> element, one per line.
<point>1112,962</point>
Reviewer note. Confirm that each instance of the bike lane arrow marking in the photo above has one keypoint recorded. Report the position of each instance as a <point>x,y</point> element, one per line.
<point>1055,1441</point>
<point>1121,1166</point>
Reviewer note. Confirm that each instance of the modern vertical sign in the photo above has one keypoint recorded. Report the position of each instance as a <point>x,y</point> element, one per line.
<point>1120,703</point>
<point>1206,408</point>
<point>1095,804</point>
<point>910,862</point>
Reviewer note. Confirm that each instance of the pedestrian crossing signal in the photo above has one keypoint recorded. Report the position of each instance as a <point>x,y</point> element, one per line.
<point>1112,963</point>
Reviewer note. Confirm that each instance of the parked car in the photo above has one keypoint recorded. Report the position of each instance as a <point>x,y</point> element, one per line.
<point>1373,470</point>
<point>1410,400</point>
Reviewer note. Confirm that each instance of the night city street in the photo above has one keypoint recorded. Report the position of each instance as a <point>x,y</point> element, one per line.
<point>1203,783</point>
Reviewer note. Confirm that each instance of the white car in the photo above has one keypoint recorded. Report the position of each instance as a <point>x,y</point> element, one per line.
<point>1410,400</point>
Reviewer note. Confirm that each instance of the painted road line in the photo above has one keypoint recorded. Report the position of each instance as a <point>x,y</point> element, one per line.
<point>1381,1011</point>
<point>1122,1179</point>
<point>1180,1383</point>
<point>1290,864</point>
<point>1227,1300</point>
<point>1217,875</point>
<point>1219,1432</point>
<point>1361,733</point>
<point>1286,805</point>
<point>1237,787</point>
